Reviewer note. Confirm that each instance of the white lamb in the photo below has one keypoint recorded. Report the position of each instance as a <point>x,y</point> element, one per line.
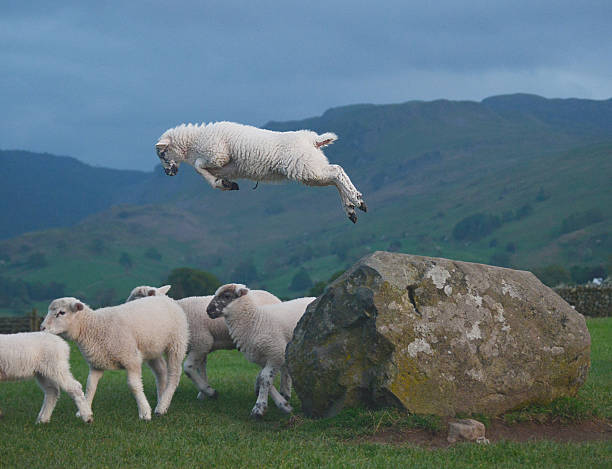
<point>262,333</point>
<point>123,337</point>
<point>226,150</point>
<point>45,357</point>
<point>205,334</point>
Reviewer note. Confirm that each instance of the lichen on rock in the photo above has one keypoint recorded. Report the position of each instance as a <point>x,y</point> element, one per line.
<point>436,336</point>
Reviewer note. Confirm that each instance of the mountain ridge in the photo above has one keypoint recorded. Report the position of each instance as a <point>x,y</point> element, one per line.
<point>423,168</point>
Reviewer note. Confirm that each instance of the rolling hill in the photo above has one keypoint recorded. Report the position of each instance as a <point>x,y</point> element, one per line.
<point>514,180</point>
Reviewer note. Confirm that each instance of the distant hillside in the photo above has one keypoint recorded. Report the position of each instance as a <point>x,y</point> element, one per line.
<point>42,191</point>
<point>513,180</point>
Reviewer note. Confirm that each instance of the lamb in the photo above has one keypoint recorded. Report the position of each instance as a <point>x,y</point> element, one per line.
<point>223,150</point>
<point>262,333</point>
<point>45,357</point>
<point>123,337</point>
<point>206,334</point>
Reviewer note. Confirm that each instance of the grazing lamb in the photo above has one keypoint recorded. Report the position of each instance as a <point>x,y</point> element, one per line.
<point>222,151</point>
<point>205,334</point>
<point>45,357</point>
<point>262,333</point>
<point>123,337</point>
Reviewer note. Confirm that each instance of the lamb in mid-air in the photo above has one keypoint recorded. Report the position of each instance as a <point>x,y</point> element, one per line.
<point>223,151</point>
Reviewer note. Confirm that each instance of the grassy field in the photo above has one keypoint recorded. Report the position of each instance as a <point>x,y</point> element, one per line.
<point>220,433</point>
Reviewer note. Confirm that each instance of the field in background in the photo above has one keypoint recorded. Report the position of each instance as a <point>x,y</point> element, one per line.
<point>220,433</point>
<point>534,172</point>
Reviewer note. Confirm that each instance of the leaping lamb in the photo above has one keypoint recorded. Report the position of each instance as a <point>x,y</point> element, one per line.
<point>223,151</point>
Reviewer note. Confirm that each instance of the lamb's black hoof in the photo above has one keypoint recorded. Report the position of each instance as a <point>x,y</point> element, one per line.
<point>363,206</point>
<point>229,185</point>
<point>353,217</point>
<point>215,395</point>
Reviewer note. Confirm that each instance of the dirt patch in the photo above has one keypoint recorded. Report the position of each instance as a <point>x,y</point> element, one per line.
<point>595,430</point>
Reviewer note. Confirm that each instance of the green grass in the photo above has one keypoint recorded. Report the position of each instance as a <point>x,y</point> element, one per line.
<point>220,433</point>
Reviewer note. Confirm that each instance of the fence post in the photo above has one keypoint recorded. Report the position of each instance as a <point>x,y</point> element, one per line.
<point>34,323</point>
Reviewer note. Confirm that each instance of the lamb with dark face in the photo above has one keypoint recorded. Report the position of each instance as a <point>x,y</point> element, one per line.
<point>261,333</point>
<point>224,296</point>
<point>169,164</point>
<point>205,334</point>
<point>223,151</point>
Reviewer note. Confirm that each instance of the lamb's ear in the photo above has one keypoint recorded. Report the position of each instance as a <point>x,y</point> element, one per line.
<point>77,306</point>
<point>242,291</point>
<point>164,290</point>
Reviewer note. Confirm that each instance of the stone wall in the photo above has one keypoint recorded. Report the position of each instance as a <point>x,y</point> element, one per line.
<point>590,300</point>
<point>13,324</point>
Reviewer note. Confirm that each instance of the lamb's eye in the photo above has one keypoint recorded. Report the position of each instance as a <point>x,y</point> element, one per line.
<point>227,295</point>
<point>60,313</point>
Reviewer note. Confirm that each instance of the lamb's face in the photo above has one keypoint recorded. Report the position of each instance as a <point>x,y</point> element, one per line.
<point>60,315</point>
<point>223,297</point>
<point>168,156</point>
<point>144,291</point>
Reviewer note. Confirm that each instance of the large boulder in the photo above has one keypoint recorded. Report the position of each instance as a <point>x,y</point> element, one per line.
<point>437,337</point>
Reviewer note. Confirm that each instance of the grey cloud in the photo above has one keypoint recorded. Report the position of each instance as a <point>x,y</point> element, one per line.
<point>102,81</point>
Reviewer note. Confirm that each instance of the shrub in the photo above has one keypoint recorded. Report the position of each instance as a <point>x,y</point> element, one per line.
<point>153,253</point>
<point>37,260</point>
<point>475,227</point>
<point>340,247</point>
<point>585,273</point>
<point>104,297</point>
<point>96,246</point>
<point>301,281</point>
<point>395,245</point>
<point>317,288</point>
<point>126,260</point>
<point>552,275</point>
<point>186,281</point>
<point>524,211</point>
<point>542,195</point>
<point>579,220</point>
<point>500,258</point>
<point>245,272</point>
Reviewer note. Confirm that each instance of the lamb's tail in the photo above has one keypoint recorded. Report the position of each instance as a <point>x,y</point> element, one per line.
<point>325,139</point>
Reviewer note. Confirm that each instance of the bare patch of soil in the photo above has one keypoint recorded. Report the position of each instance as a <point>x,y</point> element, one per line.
<point>594,430</point>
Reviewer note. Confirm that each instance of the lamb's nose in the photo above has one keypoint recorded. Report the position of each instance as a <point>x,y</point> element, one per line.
<point>42,328</point>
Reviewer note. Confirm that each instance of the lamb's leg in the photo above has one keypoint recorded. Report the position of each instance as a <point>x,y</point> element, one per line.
<point>174,375</point>
<point>73,388</point>
<point>214,181</point>
<point>280,401</point>
<point>266,378</point>
<point>258,383</point>
<point>285,383</point>
<point>134,379</point>
<point>160,370</point>
<point>195,369</point>
<point>334,174</point>
<point>51,390</point>
<point>92,384</point>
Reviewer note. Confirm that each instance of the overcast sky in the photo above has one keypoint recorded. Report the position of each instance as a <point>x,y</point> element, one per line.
<point>101,82</point>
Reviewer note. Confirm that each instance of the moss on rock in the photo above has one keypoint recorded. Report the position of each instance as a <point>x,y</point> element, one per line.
<point>436,336</point>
